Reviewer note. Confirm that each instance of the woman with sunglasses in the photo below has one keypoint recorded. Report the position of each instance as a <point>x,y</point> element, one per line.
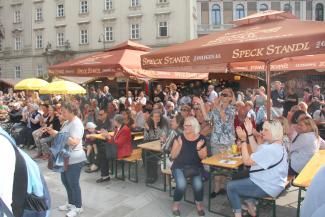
<point>222,118</point>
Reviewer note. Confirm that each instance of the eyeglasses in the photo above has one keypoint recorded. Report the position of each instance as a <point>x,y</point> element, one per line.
<point>185,110</point>
<point>224,95</point>
<point>187,125</point>
<point>197,109</point>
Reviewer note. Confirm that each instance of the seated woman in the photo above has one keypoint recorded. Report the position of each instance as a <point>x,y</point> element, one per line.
<point>128,120</point>
<point>121,138</point>
<point>188,151</point>
<point>269,167</point>
<point>304,145</point>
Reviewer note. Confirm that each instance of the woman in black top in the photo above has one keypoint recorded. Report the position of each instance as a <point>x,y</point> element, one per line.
<point>188,151</point>
<point>290,100</point>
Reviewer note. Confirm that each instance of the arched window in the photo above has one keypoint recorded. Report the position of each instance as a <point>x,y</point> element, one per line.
<point>264,7</point>
<point>319,12</point>
<point>287,7</point>
<point>240,11</point>
<point>216,16</point>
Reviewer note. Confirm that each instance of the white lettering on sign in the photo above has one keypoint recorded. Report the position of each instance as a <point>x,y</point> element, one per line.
<point>206,57</point>
<point>320,44</point>
<point>271,50</point>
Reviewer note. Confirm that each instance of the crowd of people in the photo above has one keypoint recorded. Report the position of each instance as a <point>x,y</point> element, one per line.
<point>191,126</point>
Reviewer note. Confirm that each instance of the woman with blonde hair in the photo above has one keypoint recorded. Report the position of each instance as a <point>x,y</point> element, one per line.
<point>304,145</point>
<point>173,94</point>
<point>269,167</point>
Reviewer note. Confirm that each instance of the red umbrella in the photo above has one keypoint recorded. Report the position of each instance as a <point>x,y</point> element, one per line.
<point>264,37</point>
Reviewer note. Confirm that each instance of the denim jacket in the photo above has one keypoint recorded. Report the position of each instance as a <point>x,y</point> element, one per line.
<point>60,150</point>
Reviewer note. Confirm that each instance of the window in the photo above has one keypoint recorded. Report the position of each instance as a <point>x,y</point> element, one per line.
<point>39,41</point>
<point>83,7</point>
<point>216,16</point>
<point>108,4</point>
<point>0,72</point>
<point>163,29</point>
<point>287,7</point>
<point>109,33</point>
<point>17,18</point>
<point>162,1</point>
<point>135,31</point>
<point>135,3</point>
<point>60,10</point>
<point>17,71</point>
<point>0,44</point>
<point>319,13</point>
<point>39,14</point>
<point>60,39</point>
<point>18,43</point>
<point>264,7</point>
<point>39,70</point>
<point>84,36</point>
<point>240,11</point>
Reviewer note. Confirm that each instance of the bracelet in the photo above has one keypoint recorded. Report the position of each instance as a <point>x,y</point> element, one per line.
<point>242,141</point>
<point>250,135</point>
<point>200,148</point>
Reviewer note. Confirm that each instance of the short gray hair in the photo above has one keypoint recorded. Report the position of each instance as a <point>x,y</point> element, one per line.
<point>195,124</point>
<point>119,119</point>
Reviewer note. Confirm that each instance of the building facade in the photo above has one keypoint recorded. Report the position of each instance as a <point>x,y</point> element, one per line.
<point>216,15</point>
<point>39,33</point>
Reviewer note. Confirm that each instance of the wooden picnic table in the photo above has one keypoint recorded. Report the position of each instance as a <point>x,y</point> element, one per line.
<point>152,146</point>
<point>137,135</point>
<point>221,161</point>
<point>307,174</point>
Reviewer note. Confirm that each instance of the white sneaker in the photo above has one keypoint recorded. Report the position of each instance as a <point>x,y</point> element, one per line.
<point>66,207</point>
<point>74,212</point>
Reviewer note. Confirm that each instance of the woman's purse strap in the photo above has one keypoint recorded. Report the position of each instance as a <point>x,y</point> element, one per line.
<point>270,167</point>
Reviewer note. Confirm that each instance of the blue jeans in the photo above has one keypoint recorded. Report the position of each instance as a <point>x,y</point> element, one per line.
<point>70,180</point>
<point>242,188</point>
<point>181,183</point>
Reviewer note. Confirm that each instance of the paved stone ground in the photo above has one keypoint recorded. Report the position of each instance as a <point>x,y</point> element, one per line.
<point>127,199</point>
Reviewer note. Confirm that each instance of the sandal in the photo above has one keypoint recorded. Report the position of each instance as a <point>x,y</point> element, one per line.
<point>176,213</point>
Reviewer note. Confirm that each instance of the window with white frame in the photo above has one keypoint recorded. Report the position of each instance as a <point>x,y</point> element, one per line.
<point>287,7</point>
<point>60,39</point>
<point>240,11</point>
<point>17,43</point>
<point>84,36</point>
<point>17,16</point>
<point>319,12</point>
<point>39,70</point>
<point>109,33</point>
<point>135,3</point>
<point>135,31</point>
<point>108,4</point>
<point>39,41</point>
<point>216,15</point>
<point>163,29</point>
<point>39,14</point>
<point>263,7</point>
<point>17,71</point>
<point>60,10</point>
<point>84,7</point>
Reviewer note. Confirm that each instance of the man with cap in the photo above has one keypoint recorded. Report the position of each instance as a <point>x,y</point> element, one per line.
<point>316,100</point>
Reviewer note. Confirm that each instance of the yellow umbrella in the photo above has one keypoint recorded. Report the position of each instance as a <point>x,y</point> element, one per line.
<point>62,87</point>
<point>30,84</point>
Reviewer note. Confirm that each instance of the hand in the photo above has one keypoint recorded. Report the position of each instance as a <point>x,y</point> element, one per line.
<point>200,144</point>
<point>88,136</point>
<point>216,103</point>
<point>249,126</point>
<point>241,133</point>
<point>105,133</point>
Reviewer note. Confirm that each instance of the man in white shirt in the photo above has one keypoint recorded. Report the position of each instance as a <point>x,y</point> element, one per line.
<point>212,94</point>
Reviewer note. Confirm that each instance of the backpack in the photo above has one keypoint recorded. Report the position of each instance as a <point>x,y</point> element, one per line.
<point>30,196</point>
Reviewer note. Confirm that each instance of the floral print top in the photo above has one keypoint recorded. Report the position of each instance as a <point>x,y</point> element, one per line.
<point>223,132</point>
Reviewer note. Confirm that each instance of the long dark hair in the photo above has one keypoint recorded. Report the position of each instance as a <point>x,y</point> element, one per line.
<point>162,123</point>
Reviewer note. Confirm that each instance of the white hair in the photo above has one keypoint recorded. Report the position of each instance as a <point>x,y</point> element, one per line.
<point>276,129</point>
<point>195,124</point>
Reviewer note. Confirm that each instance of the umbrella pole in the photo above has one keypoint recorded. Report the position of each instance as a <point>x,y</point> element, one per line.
<point>268,86</point>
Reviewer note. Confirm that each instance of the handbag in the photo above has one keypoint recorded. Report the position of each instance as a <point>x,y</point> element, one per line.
<point>190,171</point>
<point>246,172</point>
<point>111,151</point>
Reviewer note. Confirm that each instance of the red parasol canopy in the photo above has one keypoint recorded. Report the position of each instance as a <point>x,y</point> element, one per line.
<point>122,60</point>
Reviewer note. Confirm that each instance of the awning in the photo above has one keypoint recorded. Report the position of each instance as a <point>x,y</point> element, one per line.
<point>10,81</point>
<point>79,80</point>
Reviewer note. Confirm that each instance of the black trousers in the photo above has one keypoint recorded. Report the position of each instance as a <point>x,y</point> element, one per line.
<point>152,167</point>
<point>102,160</point>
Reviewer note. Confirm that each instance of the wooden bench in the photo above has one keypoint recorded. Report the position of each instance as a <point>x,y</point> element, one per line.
<point>272,200</point>
<point>133,159</point>
<point>167,175</point>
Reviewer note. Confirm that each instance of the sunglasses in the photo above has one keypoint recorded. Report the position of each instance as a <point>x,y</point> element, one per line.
<point>224,95</point>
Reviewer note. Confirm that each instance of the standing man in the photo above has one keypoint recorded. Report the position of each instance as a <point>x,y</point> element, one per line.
<point>277,96</point>
<point>212,94</point>
<point>316,100</point>
<point>105,98</point>
<point>159,94</point>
